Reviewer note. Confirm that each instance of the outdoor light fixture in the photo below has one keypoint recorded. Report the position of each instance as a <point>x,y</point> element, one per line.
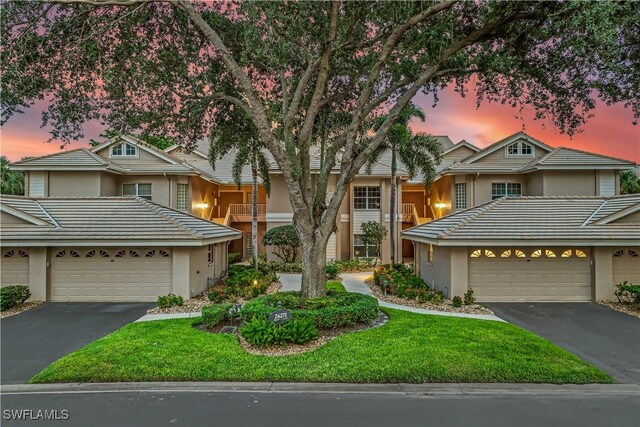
<point>441,205</point>
<point>255,282</point>
<point>203,205</point>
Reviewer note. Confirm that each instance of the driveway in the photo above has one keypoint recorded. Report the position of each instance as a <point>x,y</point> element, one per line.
<point>601,336</point>
<point>32,340</point>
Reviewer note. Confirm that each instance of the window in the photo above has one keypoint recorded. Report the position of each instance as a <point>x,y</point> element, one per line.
<point>502,189</point>
<point>633,254</point>
<point>74,254</point>
<point>90,254</point>
<point>580,254</point>
<point>360,250</point>
<point>520,254</point>
<point>430,254</point>
<point>549,253</point>
<point>366,197</point>
<point>536,254</point>
<point>134,254</point>
<point>566,254</point>
<point>461,196</point>
<point>124,149</point>
<point>210,254</point>
<point>120,254</point>
<point>140,190</point>
<point>23,254</point>
<point>61,254</point>
<point>519,148</point>
<point>163,254</point>
<point>505,254</point>
<point>8,254</point>
<point>476,254</point>
<point>182,199</point>
<point>489,254</point>
<point>104,254</point>
<point>150,254</point>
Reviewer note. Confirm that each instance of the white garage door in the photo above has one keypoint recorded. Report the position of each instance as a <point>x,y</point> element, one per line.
<point>15,267</point>
<point>544,274</point>
<point>626,265</point>
<point>96,274</point>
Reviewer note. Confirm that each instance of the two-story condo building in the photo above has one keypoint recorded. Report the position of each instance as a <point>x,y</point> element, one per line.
<point>518,165</point>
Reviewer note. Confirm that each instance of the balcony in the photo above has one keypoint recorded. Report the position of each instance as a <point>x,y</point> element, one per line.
<point>241,212</point>
<point>410,214</point>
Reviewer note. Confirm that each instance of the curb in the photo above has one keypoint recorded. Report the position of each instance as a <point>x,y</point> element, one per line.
<point>435,389</point>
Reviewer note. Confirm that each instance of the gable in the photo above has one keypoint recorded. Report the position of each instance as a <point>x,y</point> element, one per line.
<point>8,219</point>
<point>144,153</point>
<point>499,156</point>
<point>457,154</point>
<point>633,218</point>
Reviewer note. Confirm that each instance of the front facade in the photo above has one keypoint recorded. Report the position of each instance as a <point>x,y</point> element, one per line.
<point>184,180</point>
<point>553,248</point>
<point>108,249</point>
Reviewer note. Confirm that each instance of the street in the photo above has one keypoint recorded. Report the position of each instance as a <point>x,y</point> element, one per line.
<point>258,406</point>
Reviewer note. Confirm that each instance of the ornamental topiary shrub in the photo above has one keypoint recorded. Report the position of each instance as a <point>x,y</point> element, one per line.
<point>215,314</point>
<point>456,301</point>
<point>286,241</point>
<point>12,296</point>
<point>170,300</point>
<point>469,297</point>
<point>340,309</point>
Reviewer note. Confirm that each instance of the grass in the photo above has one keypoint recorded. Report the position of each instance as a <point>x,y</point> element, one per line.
<point>410,348</point>
<point>335,285</point>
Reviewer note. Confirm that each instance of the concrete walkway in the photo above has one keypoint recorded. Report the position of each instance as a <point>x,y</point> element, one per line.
<point>355,282</point>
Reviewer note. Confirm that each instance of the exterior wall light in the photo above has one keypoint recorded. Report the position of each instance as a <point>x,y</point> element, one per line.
<point>440,205</point>
<point>203,205</point>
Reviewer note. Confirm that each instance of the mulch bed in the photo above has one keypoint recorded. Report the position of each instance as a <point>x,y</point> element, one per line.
<point>444,306</point>
<point>199,302</point>
<point>631,309</point>
<point>326,335</point>
<point>20,309</point>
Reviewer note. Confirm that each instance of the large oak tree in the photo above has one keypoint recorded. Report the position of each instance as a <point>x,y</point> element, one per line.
<point>175,68</point>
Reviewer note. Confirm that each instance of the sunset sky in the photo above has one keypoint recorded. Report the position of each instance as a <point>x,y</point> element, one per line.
<point>610,132</point>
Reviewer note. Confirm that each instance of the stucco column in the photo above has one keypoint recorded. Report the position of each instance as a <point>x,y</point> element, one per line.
<point>603,273</point>
<point>38,273</point>
<point>181,272</point>
<point>459,272</point>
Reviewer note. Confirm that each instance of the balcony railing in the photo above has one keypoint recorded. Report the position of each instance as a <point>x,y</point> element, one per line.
<point>407,209</point>
<point>246,209</point>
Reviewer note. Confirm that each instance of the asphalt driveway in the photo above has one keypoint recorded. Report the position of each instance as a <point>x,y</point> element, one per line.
<point>599,335</point>
<point>32,340</point>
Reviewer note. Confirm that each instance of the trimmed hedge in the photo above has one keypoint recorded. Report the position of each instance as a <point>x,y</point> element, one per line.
<point>333,311</point>
<point>170,300</point>
<point>11,296</point>
<point>215,314</point>
<point>242,281</point>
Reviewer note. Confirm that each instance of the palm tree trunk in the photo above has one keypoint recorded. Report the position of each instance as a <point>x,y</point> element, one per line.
<point>254,212</point>
<point>392,207</point>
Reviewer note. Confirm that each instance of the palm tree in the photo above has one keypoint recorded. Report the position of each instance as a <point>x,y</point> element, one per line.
<point>629,182</point>
<point>419,152</point>
<point>236,134</point>
<point>11,182</point>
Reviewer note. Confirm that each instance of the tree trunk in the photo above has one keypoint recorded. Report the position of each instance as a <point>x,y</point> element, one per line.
<point>254,213</point>
<point>392,208</point>
<point>314,256</point>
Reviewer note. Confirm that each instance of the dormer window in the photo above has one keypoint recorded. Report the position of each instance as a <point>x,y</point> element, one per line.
<point>519,148</point>
<point>124,149</point>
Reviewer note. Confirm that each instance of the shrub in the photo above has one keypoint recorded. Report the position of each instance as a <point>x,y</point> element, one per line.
<point>262,333</point>
<point>456,301</point>
<point>170,300</point>
<point>11,296</point>
<point>286,241</point>
<point>234,257</point>
<point>438,297</point>
<point>216,295</point>
<point>424,296</point>
<point>281,267</point>
<point>331,269</point>
<point>335,287</point>
<point>469,297</point>
<point>246,281</point>
<point>215,314</point>
<point>628,293</point>
<point>340,309</point>
<point>373,234</point>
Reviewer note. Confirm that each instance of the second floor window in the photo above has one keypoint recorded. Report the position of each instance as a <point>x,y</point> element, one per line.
<point>140,190</point>
<point>520,148</point>
<point>183,196</point>
<point>124,149</point>
<point>366,198</point>
<point>502,189</point>
<point>461,196</point>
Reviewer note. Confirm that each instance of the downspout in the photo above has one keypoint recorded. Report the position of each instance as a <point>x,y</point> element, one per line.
<point>168,179</point>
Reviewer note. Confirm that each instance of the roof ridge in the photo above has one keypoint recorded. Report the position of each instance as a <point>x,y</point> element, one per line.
<point>47,213</point>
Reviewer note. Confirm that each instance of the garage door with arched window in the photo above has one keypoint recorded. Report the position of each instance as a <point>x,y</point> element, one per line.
<point>15,266</point>
<point>530,274</point>
<point>626,265</point>
<point>105,274</point>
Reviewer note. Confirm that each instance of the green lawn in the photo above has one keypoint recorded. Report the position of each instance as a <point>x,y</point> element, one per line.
<point>409,348</point>
<point>335,285</point>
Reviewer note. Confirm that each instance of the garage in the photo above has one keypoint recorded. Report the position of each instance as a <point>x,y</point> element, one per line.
<point>105,274</point>
<point>530,274</point>
<point>626,265</point>
<point>15,266</point>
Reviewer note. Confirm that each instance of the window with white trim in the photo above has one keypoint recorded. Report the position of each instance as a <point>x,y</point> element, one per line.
<point>140,190</point>
<point>502,189</point>
<point>519,148</point>
<point>124,149</point>
<point>461,196</point>
<point>210,254</point>
<point>430,253</point>
<point>366,198</point>
<point>361,250</point>
<point>182,197</point>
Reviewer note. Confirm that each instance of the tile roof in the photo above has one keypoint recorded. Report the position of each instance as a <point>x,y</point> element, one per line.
<point>570,157</point>
<point>109,219</point>
<point>533,218</point>
<point>80,157</point>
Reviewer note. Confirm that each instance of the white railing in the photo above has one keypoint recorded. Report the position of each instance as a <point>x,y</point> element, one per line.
<point>246,209</point>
